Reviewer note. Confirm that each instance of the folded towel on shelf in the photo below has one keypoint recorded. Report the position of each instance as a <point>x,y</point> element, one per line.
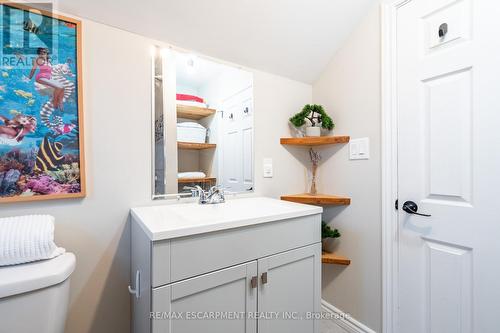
<point>191,103</point>
<point>192,98</point>
<point>191,175</point>
<point>26,239</point>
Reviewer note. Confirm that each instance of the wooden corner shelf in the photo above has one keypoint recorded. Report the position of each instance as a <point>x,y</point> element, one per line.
<point>196,180</point>
<point>333,258</point>
<point>315,140</point>
<point>195,146</point>
<point>318,199</point>
<point>193,112</point>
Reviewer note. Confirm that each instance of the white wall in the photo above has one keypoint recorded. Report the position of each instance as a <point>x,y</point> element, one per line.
<point>276,100</point>
<point>117,108</point>
<point>349,89</point>
<point>183,88</point>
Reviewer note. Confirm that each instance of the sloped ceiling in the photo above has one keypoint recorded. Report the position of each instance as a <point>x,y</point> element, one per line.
<point>292,38</point>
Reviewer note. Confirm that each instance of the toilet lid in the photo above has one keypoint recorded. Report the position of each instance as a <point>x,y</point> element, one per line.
<point>18,279</point>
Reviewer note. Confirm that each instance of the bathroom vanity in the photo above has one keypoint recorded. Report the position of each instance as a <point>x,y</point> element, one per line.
<point>246,265</point>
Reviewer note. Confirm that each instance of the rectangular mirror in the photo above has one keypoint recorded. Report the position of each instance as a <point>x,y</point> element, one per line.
<point>203,121</point>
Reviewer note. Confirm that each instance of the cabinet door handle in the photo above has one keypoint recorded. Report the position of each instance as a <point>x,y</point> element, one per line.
<point>253,282</point>
<point>137,290</point>
<point>263,278</point>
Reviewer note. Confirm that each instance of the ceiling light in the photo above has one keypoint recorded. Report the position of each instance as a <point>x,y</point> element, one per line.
<point>191,64</point>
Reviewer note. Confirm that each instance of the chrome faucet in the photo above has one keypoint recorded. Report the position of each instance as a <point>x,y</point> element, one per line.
<point>214,195</point>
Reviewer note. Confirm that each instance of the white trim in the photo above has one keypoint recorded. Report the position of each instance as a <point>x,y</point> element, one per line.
<point>390,235</point>
<point>343,320</point>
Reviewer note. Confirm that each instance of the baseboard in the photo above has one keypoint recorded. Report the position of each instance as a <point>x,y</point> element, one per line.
<point>348,323</point>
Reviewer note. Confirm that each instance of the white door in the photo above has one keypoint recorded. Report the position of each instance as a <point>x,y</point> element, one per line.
<point>237,152</point>
<point>448,85</point>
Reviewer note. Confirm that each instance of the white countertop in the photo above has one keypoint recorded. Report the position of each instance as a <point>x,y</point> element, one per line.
<point>179,220</point>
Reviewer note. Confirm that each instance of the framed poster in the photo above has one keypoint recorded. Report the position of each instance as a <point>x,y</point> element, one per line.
<point>41,111</point>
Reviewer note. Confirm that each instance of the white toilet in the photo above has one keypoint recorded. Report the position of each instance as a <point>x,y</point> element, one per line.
<point>34,296</point>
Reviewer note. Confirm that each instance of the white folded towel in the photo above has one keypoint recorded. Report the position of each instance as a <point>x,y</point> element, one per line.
<point>192,103</point>
<point>26,239</point>
<point>191,175</point>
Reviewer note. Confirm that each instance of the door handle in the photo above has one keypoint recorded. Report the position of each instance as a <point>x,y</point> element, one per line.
<point>411,208</point>
<point>443,30</point>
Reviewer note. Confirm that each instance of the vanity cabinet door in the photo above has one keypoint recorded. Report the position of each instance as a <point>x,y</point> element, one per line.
<point>198,304</point>
<point>290,287</point>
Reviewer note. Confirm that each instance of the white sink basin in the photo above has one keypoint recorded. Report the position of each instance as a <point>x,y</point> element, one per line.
<point>179,220</point>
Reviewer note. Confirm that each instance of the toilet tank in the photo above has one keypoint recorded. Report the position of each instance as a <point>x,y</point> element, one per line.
<point>34,297</point>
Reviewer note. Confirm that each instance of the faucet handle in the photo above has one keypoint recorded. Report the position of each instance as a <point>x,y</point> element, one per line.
<point>196,191</point>
<point>219,188</point>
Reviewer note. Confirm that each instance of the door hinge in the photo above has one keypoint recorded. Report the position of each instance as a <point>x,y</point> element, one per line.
<point>396,205</point>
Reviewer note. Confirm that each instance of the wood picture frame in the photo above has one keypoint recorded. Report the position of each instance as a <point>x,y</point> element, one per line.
<point>42,155</point>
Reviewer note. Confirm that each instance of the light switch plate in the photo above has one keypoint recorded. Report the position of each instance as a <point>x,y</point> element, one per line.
<point>268,167</point>
<point>359,149</point>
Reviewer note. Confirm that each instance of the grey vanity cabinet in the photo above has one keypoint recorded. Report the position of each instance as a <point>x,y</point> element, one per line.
<point>284,289</point>
<point>197,304</point>
<point>292,290</point>
<point>261,278</point>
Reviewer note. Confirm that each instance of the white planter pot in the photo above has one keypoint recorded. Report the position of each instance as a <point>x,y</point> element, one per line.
<point>313,131</point>
<point>329,244</point>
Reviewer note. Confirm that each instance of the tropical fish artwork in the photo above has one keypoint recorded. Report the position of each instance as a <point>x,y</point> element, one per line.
<point>23,94</point>
<point>41,151</point>
<point>13,131</point>
<point>60,73</point>
<point>49,156</point>
<point>29,26</point>
<point>19,56</point>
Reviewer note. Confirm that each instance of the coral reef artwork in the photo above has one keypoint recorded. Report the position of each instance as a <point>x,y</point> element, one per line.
<point>41,134</point>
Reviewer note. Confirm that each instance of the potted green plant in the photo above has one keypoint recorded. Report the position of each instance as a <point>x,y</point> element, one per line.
<point>328,236</point>
<point>315,118</point>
